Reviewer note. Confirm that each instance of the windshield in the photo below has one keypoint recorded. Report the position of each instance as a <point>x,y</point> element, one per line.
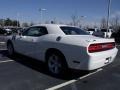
<point>73,31</point>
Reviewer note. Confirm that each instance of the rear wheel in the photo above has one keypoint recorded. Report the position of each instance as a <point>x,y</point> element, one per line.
<point>56,64</point>
<point>10,49</point>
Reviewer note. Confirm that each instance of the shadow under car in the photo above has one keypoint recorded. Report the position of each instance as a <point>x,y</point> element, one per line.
<point>41,67</point>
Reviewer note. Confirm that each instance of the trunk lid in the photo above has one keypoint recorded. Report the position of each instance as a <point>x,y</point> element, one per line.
<point>88,39</point>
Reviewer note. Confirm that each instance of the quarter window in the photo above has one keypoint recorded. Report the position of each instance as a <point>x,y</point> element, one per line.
<point>73,31</point>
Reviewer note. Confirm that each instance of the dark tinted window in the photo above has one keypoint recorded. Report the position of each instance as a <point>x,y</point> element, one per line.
<point>73,31</point>
<point>104,30</point>
<point>91,29</point>
<point>35,31</point>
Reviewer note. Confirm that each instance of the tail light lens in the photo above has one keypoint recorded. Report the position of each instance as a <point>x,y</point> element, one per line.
<point>101,47</point>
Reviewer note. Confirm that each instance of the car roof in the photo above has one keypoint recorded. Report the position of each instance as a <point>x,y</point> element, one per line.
<point>53,28</point>
<point>47,25</point>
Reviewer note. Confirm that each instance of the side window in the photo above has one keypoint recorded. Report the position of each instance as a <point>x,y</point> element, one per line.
<point>35,31</point>
<point>42,30</point>
<point>24,33</point>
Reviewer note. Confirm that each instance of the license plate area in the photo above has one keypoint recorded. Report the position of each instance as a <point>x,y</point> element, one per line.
<point>107,60</point>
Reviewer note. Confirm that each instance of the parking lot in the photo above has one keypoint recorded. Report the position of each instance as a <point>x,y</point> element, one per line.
<point>23,73</point>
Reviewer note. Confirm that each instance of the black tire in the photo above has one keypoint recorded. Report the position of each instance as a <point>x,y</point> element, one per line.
<point>59,64</point>
<point>10,49</point>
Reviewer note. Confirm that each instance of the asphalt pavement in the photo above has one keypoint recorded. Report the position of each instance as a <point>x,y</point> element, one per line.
<point>107,79</point>
<point>23,73</point>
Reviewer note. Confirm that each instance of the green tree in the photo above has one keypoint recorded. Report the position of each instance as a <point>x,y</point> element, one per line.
<point>1,22</point>
<point>8,22</point>
<point>15,23</point>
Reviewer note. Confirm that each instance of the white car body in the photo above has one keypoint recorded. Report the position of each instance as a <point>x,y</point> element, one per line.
<point>73,47</point>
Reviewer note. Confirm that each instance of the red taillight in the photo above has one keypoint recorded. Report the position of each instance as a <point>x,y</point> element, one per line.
<point>100,47</point>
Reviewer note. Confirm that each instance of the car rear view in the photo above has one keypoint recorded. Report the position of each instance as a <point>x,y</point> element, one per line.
<point>101,54</point>
<point>88,52</point>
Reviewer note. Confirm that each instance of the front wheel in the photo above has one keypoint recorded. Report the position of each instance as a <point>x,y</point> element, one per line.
<point>56,64</point>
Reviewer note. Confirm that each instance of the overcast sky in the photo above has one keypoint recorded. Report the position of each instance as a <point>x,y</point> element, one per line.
<point>61,10</point>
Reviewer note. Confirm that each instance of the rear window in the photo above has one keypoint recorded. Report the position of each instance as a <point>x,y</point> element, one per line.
<point>73,31</point>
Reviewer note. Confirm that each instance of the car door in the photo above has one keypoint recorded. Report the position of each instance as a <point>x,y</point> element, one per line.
<point>28,42</point>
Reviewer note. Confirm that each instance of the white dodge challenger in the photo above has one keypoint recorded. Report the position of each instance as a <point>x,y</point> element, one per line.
<point>62,47</point>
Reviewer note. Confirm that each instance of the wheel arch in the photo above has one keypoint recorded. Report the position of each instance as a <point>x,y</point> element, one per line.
<point>51,50</point>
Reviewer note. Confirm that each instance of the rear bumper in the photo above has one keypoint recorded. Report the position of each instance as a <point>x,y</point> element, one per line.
<point>97,60</point>
<point>100,60</point>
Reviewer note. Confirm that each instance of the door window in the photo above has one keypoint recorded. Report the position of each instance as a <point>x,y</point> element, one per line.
<point>35,31</point>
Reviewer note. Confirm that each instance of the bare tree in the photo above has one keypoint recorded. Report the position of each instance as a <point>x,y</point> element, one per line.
<point>103,23</point>
<point>115,23</point>
<point>61,22</point>
<point>87,27</point>
<point>47,22</point>
<point>75,20</point>
<point>25,24</point>
<point>32,23</point>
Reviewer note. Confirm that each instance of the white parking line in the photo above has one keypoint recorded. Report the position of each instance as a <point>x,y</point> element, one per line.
<point>72,81</point>
<point>116,75</point>
<point>2,42</point>
<point>3,49</point>
<point>6,61</point>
